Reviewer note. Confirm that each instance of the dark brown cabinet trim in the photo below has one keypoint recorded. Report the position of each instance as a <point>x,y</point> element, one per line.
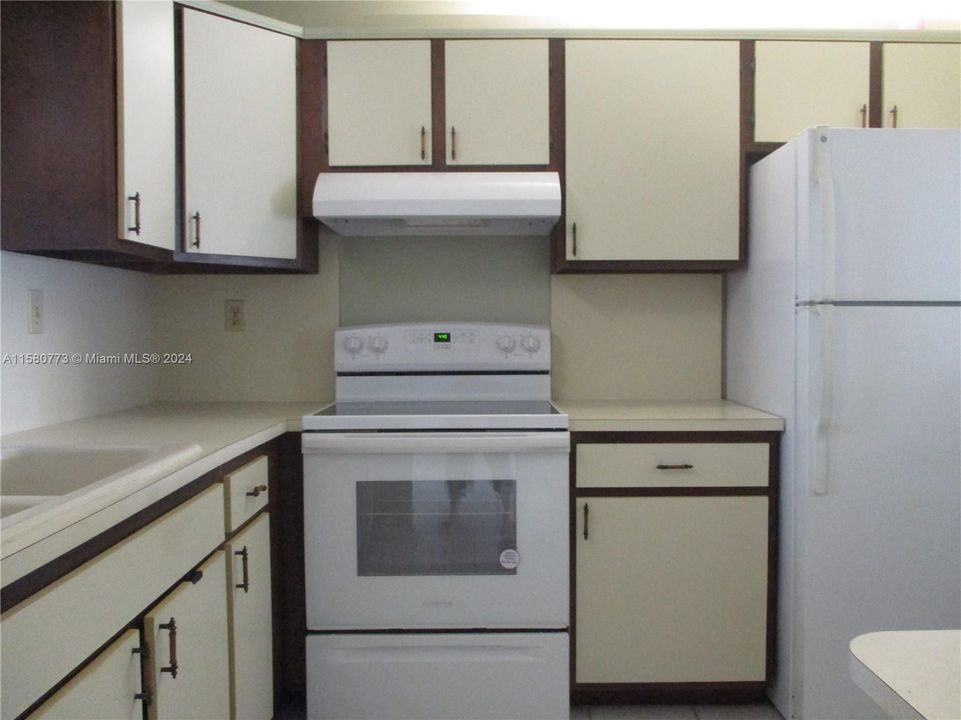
<point>699,692</point>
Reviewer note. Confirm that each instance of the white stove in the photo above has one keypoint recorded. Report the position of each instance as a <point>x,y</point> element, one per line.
<point>436,528</point>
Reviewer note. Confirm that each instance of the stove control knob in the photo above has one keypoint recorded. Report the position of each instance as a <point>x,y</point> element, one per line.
<point>377,344</point>
<point>505,343</point>
<point>531,343</point>
<point>353,344</point>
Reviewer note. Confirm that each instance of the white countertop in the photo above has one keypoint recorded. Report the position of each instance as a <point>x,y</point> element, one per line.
<point>665,415</point>
<point>910,674</point>
<point>205,434</point>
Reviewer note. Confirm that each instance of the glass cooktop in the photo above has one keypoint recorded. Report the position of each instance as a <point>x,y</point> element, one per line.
<point>439,415</point>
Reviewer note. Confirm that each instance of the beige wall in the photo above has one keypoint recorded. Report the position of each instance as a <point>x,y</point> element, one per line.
<point>285,352</point>
<point>88,309</point>
<point>617,337</point>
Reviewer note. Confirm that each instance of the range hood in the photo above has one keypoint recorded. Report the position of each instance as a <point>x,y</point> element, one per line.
<point>438,203</point>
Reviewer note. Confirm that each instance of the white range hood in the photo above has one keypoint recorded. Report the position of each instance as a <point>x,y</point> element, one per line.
<point>438,203</point>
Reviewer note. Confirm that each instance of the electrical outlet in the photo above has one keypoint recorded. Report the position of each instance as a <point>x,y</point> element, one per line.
<point>234,315</point>
<point>35,318</point>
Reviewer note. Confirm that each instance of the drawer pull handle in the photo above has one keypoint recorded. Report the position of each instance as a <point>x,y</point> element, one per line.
<point>423,142</point>
<point>257,490</point>
<point>864,115</point>
<point>894,116</point>
<point>171,627</point>
<point>574,240</point>
<point>586,532</point>
<point>685,466</point>
<point>136,214</point>
<point>453,143</point>
<point>245,585</point>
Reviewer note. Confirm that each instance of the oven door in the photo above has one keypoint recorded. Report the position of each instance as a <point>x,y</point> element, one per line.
<point>436,530</point>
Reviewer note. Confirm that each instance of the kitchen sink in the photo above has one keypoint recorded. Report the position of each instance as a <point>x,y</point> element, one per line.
<point>30,476</point>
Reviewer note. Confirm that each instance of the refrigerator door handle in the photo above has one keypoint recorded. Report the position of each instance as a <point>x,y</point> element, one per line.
<point>826,198</point>
<point>824,387</point>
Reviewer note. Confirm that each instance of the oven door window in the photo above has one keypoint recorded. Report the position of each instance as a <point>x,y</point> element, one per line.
<point>436,527</point>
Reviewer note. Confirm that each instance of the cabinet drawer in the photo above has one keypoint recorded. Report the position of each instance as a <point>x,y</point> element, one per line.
<point>245,492</point>
<point>672,465</point>
<point>51,633</point>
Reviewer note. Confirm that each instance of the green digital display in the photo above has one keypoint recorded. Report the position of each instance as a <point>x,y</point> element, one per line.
<point>443,337</point>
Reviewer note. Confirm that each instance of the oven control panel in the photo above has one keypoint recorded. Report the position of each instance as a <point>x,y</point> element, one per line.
<point>442,347</point>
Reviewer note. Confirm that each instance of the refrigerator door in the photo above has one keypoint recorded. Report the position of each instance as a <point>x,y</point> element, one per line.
<point>879,215</point>
<point>878,469</point>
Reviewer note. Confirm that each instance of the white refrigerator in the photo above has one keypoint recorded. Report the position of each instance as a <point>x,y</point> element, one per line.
<point>847,322</point>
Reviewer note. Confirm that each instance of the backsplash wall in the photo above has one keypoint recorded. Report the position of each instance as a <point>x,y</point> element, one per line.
<point>491,279</point>
<point>87,310</point>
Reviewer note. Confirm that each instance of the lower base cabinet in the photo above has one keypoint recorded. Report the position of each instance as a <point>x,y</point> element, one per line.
<point>186,634</point>
<point>251,648</point>
<point>109,688</point>
<point>671,589</point>
<point>674,565</point>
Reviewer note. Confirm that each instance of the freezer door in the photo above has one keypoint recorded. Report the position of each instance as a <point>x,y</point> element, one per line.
<point>879,215</point>
<point>877,544</point>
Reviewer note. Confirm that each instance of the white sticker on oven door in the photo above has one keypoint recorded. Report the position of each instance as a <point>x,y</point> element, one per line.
<point>509,559</point>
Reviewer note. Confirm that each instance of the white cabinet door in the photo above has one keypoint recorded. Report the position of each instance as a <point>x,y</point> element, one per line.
<point>652,157</point>
<point>497,102</point>
<point>671,589</point>
<point>107,689</point>
<point>798,85</point>
<point>146,122</point>
<point>190,625</point>
<point>240,138</point>
<point>251,638</point>
<point>379,102</point>
<point>921,85</point>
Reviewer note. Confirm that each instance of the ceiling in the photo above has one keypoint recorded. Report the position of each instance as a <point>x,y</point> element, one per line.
<point>366,18</point>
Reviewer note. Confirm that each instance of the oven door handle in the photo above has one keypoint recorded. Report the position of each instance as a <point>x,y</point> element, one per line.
<point>483,442</point>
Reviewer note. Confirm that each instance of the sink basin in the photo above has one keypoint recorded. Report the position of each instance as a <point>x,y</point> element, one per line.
<point>31,476</point>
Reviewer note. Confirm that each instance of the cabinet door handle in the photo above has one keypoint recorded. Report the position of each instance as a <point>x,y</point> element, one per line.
<point>586,532</point>
<point>574,241</point>
<point>423,142</point>
<point>245,585</point>
<point>171,628</point>
<point>257,490</point>
<point>894,116</point>
<point>864,115</point>
<point>136,213</point>
<point>685,466</point>
<point>453,143</point>
<point>196,218</point>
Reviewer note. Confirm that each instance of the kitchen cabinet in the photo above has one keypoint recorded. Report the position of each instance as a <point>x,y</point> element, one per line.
<point>379,102</point>
<point>652,155</point>
<point>147,122</point>
<point>109,688</point>
<point>56,629</point>
<point>88,130</point>
<point>249,610</point>
<point>921,85</point>
<point>56,626</point>
<point>240,139</point>
<point>798,85</point>
<point>186,634</point>
<point>674,563</point>
<point>497,100</point>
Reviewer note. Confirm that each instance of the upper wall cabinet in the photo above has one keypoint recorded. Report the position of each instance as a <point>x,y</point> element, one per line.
<point>496,97</point>
<point>147,122</point>
<point>379,102</point>
<point>240,138</point>
<point>798,85</point>
<point>922,85</point>
<point>88,129</point>
<point>652,155</point>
